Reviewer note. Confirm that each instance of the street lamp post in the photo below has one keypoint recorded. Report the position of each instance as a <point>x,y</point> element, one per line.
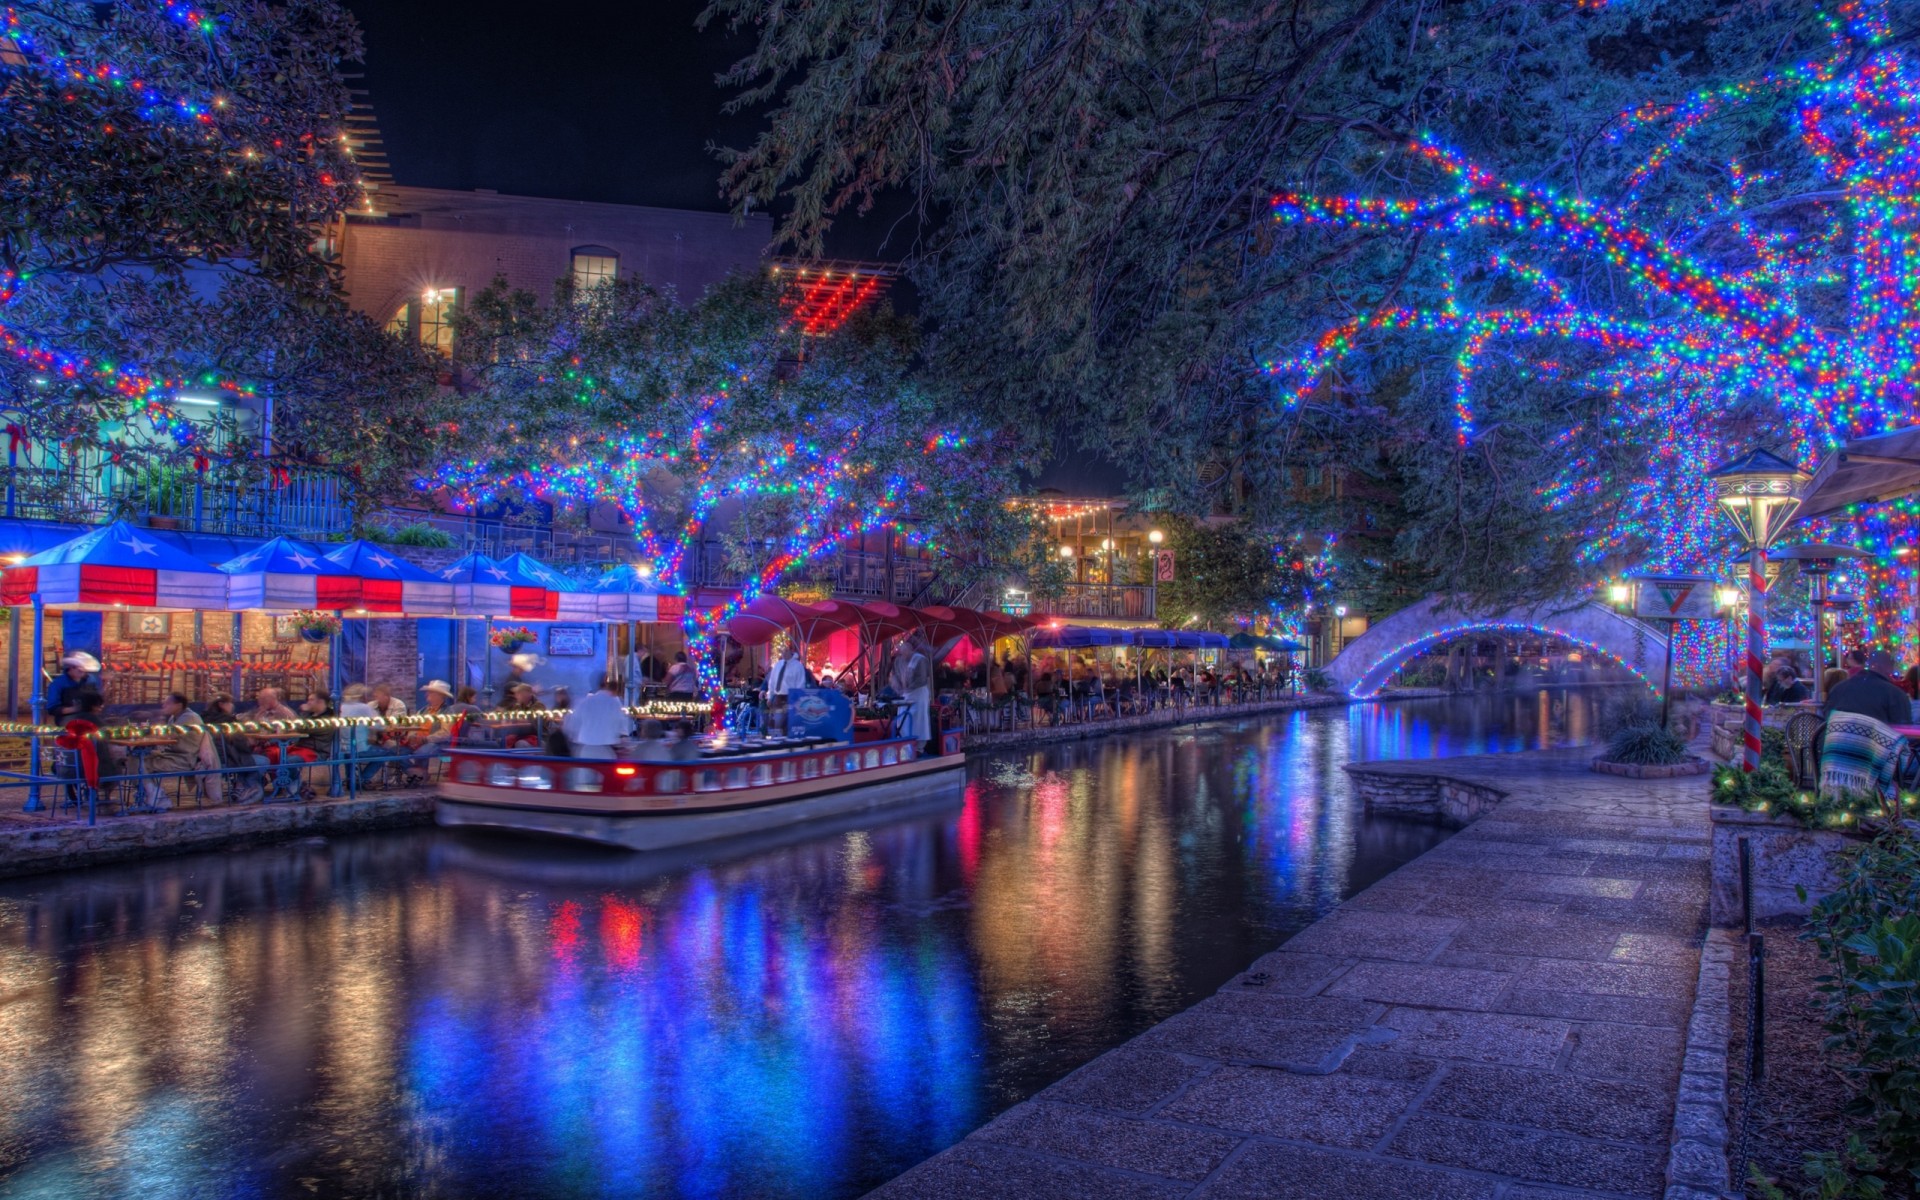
<point>1759,492</point>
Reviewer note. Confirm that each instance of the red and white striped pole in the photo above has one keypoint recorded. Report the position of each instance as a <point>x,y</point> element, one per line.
<point>1756,653</point>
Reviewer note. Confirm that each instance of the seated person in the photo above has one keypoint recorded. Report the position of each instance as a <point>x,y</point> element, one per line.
<point>191,750</point>
<point>1861,749</point>
<point>233,749</point>
<point>468,719</point>
<point>357,740</point>
<point>1786,688</point>
<point>1872,693</point>
<point>85,718</point>
<point>520,698</point>
<point>650,744</point>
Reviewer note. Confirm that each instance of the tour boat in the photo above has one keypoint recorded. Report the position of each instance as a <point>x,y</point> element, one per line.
<point>733,791</point>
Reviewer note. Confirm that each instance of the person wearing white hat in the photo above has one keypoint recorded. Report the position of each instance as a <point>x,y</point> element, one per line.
<point>76,676</point>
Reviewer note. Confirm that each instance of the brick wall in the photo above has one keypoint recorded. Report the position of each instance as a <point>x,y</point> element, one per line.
<point>436,238</point>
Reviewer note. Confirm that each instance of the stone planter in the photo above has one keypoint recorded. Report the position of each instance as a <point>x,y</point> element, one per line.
<point>1689,766</point>
<point>1787,856</point>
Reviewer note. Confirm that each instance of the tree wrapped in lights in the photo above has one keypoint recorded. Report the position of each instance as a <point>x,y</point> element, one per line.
<point>1784,310</point>
<point>171,168</point>
<point>704,424</point>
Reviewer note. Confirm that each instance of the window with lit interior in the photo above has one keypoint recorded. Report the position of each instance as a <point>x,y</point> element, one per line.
<point>593,266</point>
<point>429,318</point>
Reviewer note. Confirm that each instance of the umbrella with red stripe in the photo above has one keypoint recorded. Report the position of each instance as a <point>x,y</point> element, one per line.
<point>541,593</point>
<point>289,574</point>
<point>624,594</point>
<point>120,565</point>
<point>392,584</point>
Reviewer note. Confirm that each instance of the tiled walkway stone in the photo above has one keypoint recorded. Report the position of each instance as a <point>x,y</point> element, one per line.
<point>1501,1019</point>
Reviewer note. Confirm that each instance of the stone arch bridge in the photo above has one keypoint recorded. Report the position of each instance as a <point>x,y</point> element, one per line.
<point>1366,663</point>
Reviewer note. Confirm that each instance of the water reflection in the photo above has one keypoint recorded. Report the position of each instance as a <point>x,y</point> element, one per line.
<point>420,1014</point>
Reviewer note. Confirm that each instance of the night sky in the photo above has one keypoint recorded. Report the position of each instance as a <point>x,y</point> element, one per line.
<point>584,100</point>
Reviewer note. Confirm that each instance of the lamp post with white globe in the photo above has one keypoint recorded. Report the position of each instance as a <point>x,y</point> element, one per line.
<point>1760,493</point>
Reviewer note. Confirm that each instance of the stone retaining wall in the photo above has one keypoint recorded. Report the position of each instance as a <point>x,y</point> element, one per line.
<point>1161,718</point>
<point>1410,794</point>
<point>1786,857</point>
<point>26,848</point>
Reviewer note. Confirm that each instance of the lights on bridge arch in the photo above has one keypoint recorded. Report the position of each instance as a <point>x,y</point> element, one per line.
<point>1389,662</point>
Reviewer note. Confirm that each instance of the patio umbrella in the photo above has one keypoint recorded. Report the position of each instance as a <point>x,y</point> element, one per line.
<point>119,565</point>
<point>624,594</point>
<point>1864,471</point>
<point>1288,645</point>
<point>539,592</point>
<point>392,584</point>
<point>480,586</point>
<point>1080,637</point>
<point>288,574</point>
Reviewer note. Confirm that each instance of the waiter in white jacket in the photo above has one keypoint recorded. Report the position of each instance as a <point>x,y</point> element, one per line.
<point>599,723</point>
<point>788,676</point>
<point>912,677</point>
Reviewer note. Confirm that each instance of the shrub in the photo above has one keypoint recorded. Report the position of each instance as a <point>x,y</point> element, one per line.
<point>1870,933</point>
<point>1317,679</point>
<point>1647,745</point>
<point>417,534</point>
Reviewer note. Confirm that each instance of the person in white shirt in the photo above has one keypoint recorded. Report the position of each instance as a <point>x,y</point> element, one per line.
<point>600,722</point>
<point>788,676</point>
<point>357,741</point>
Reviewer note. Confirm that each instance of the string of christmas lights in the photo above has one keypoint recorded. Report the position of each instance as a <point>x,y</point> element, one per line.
<point>1708,345</point>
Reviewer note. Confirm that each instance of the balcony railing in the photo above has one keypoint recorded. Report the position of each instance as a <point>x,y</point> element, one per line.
<point>307,502</point>
<point>1107,601</point>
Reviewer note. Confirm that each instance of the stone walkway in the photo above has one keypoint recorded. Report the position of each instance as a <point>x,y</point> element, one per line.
<point>1501,1019</point>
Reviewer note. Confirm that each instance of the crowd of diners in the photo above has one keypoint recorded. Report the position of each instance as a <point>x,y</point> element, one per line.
<point>223,747</point>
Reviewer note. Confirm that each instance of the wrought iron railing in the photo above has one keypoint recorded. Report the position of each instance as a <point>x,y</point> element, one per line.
<point>1111,601</point>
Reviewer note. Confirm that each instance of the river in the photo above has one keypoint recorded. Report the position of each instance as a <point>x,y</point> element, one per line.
<point>420,1013</point>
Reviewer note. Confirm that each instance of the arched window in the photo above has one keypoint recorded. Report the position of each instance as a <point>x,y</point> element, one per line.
<point>594,265</point>
<point>429,317</point>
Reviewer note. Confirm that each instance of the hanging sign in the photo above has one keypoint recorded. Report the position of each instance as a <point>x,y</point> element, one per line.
<point>1674,598</point>
<point>1163,566</point>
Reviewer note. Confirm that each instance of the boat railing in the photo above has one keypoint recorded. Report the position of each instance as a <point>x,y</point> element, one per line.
<point>477,767</point>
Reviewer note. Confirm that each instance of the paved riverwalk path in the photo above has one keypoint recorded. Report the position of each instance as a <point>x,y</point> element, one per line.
<point>1500,1019</point>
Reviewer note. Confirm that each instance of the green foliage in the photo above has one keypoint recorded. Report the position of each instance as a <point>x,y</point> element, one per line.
<point>1221,571</point>
<point>1648,745</point>
<point>189,247</point>
<point>1829,1176</point>
<point>1097,252</point>
<point>619,396</point>
<point>1869,931</point>
<point>418,533</point>
<point>1317,679</point>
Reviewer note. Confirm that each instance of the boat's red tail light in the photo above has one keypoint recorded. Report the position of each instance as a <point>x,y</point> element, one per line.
<point>625,770</point>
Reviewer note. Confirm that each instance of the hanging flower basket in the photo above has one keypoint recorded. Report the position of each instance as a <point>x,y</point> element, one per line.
<point>316,626</point>
<point>509,639</point>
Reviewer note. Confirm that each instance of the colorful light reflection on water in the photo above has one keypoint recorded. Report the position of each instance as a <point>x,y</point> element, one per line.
<point>422,1014</point>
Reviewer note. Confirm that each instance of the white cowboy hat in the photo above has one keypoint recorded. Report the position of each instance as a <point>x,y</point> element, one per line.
<point>80,658</point>
<point>441,686</point>
<point>526,662</point>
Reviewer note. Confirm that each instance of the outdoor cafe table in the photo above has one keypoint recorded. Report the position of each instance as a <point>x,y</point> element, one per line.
<point>138,748</point>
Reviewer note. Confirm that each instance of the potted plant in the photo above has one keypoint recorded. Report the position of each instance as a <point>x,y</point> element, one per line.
<point>508,639</point>
<point>315,626</point>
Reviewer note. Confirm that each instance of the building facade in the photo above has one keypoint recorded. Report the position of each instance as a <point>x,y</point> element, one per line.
<point>412,257</point>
